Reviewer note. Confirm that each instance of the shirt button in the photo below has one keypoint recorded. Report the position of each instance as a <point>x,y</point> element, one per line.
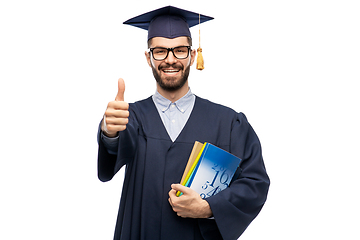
<point>173,121</point>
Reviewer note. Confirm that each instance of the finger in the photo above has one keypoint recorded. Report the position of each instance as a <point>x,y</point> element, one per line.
<point>118,105</point>
<point>121,90</point>
<point>111,128</point>
<point>180,188</point>
<point>172,193</point>
<point>116,121</point>
<point>170,202</point>
<point>117,113</point>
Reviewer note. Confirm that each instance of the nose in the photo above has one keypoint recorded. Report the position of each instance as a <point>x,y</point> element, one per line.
<point>171,58</point>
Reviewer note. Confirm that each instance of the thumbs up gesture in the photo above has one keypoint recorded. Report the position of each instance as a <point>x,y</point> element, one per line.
<point>116,114</point>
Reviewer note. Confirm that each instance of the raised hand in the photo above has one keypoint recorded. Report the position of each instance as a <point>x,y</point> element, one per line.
<point>116,114</point>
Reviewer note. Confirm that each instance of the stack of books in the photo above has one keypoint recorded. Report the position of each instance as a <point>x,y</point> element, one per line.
<point>209,169</point>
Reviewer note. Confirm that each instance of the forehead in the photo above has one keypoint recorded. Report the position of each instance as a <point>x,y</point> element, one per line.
<point>169,42</point>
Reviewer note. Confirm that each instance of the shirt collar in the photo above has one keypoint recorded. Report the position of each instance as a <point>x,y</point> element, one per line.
<point>182,104</point>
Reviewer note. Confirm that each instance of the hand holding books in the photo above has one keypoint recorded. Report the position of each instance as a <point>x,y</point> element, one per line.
<point>209,170</point>
<point>190,204</point>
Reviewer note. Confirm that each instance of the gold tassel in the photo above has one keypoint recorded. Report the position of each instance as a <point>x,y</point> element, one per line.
<point>200,59</point>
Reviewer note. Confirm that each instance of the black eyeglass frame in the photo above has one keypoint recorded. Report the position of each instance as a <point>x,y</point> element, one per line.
<point>170,50</point>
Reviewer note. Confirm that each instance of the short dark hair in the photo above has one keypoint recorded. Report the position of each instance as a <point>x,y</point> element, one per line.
<point>189,41</point>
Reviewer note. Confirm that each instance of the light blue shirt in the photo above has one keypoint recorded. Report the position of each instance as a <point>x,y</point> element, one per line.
<point>173,115</point>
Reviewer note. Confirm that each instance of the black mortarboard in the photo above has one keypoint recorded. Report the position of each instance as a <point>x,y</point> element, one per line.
<point>168,22</point>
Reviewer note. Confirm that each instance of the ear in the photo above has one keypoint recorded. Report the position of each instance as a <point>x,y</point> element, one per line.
<point>148,59</point>
<point>193,55</point>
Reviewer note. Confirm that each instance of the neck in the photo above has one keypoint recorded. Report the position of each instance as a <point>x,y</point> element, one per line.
<point>173,96</point>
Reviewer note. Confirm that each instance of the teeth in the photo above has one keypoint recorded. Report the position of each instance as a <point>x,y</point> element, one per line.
<point>171,71</point>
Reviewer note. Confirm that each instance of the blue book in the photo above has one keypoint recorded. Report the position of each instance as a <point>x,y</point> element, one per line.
<point>213,172</point>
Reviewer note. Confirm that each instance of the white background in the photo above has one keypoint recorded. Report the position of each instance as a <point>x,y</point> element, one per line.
<point>291,66</point>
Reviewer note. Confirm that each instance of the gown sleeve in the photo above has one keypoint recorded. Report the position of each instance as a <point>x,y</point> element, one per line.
<point>108,163</point>
<point>235,207</point>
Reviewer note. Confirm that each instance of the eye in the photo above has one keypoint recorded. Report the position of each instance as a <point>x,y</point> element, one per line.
<point>180,50</point>
<point>159,51</point>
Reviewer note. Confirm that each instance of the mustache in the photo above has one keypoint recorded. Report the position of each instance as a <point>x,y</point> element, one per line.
<point>175,65</point>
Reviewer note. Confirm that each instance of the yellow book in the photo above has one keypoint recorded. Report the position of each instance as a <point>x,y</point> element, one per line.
<point>192,163</point>
<point>194,153</point>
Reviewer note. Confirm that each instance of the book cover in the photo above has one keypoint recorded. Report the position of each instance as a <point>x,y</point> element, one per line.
<point>213,171</point>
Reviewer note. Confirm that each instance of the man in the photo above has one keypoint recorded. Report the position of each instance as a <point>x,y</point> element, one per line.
<point>153,138</point>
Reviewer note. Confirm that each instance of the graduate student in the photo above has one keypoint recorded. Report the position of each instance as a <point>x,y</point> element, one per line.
<point>153,139</point>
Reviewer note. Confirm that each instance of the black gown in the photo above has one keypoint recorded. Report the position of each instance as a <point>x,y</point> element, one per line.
<point>153,162</point>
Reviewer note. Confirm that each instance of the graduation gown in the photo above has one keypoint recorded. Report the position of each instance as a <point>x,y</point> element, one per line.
<point>153,162</point>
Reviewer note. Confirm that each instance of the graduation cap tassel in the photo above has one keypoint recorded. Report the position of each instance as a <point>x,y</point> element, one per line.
<point>200,59</point>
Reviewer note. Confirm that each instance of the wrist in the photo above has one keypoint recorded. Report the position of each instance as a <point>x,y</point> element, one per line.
<point>110,135</point>
<point>206,210</point>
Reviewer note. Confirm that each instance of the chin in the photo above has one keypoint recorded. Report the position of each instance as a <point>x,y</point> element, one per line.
<point>171,84</point>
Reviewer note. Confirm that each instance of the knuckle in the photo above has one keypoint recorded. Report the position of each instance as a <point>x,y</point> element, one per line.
<point>111,104</point>
<point>107,113</point>
<point>108,121</point>
<point>175,204</point>
<point>111,128</point>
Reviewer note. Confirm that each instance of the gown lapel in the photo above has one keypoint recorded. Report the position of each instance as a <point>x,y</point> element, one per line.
<point>153,125</point>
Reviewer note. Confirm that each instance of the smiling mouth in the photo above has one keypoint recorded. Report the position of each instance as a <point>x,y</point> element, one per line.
<point>171,70</point>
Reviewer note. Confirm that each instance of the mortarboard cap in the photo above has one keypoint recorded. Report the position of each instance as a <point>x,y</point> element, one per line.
<point>168,22</point>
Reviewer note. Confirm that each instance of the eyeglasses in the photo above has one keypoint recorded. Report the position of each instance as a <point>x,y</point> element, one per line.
<point>160,53</point>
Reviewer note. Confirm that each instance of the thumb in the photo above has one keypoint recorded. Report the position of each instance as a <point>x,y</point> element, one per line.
<point>180,188</point>
<point>121,90</point>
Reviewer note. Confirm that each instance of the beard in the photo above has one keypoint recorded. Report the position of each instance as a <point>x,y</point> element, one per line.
<point>171,84</point>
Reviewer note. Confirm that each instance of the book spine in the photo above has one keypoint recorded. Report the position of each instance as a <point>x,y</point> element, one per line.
<point>190,174</point>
